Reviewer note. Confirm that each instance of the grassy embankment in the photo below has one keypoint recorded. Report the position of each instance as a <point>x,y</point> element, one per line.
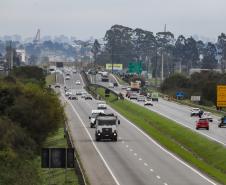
<point>50,79</point>
<point>57,140</point>
<point>202,153</point>
<point>57,176</point>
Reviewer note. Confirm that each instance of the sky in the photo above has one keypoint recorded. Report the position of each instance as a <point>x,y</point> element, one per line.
<point>85,18</point>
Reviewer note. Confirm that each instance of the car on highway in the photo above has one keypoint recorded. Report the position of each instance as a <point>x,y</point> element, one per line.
<point>106,127</point>
<point>74,71</point>
<point>68,74</point>
<point>202,123</point>
<point>208,116</point>
<point>110,85</point>
<point>124,87</point>
<point>128,88</point>
<point>78,93</point>
<point>67,78</point>
<point>68,93</point>
<point>101,105</point>
<point>140,98</point>
<point>93,116</point>
<point>133,96</point>
<point>195,112</point>
<point>84,94</point>
<point>222,122</point>
<point>57,85</point>
<point>88,97</point>
<point>148,102</point>
<point>72,97</point>
<point>78,82</point>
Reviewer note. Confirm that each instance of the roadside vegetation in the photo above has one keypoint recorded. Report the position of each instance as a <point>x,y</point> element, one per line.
<point>57,176</point>
<point>202,84</point>
<point>29,113</point>
<point>202,153</point>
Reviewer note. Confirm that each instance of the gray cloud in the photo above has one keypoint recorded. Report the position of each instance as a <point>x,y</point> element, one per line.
<point>83,18</point>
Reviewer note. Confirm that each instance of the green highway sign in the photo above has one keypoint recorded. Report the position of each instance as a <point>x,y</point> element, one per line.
<point>135,67</point>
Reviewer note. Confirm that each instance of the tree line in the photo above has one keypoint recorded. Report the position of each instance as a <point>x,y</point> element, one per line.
<point>123,45</point>
<point>29,112</point>
<point>202,84</point>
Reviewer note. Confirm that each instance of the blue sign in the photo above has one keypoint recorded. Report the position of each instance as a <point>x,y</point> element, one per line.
<point>180,94</point>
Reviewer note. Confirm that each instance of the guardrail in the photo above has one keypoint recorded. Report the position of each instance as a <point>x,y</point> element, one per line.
<point>88,84</point>
<point>78,167</point>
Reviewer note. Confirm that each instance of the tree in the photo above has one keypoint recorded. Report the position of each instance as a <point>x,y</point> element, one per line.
<point>119,44</point>
<point>209,61</point>
<point>95,50</point>
<point>221,45</point>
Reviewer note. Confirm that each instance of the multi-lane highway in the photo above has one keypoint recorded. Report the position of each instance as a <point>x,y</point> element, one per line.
<point>180,114</point>
<point>135,159</point>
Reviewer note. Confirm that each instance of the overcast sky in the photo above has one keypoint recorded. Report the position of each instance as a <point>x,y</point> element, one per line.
<point>85,18</point>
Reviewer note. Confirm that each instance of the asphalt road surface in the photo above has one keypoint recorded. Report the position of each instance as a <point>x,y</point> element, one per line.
<point>135,159</point>
<point>178,113</point>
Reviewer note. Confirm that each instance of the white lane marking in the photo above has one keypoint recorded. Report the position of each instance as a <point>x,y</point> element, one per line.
<point>145,164</point>
<point>151,170</point>
<point>127,146</point>
<point>109,169</point>
<point>165,183</point>
<point>130,150</point>
<point>167,151</point>
<point>140,159</point>
<point>135,154</point>
<point>158,177</point>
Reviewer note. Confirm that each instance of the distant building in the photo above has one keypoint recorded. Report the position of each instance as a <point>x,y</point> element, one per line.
<point>22,55</point>
<point>2,63</point>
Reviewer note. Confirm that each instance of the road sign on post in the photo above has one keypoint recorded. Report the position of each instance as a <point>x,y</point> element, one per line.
<point>221,96</point>
<point>57,158</point>
<point>195,98</point>
<point>135,67</point>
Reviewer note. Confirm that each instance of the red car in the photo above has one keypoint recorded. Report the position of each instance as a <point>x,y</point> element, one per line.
<point>202,123</point>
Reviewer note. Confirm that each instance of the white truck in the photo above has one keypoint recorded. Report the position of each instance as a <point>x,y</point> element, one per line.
<point>106,127</point>
<point>93,116</point>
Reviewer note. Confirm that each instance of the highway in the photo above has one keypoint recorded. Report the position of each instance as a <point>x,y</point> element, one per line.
<point>180,114</point>
<point>135,159</point>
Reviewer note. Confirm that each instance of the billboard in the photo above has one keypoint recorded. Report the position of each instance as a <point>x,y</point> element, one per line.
<point>221,96</point>
<point>116,67</point>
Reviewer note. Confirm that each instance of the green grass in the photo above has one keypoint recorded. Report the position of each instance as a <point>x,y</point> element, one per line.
<point>202,153</point>
<point>50,79</point>
<point>57,176</point>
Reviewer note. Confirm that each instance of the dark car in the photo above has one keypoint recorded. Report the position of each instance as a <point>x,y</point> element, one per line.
<point>115,84</point>
<point>73,97</point>
<point>222,122</point>
<point>202,123</point>
<point>88,97</point>
<point>57,85</point>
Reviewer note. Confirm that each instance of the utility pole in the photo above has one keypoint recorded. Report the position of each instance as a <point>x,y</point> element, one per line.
<point>112,59</point>
<point>162,73</point>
